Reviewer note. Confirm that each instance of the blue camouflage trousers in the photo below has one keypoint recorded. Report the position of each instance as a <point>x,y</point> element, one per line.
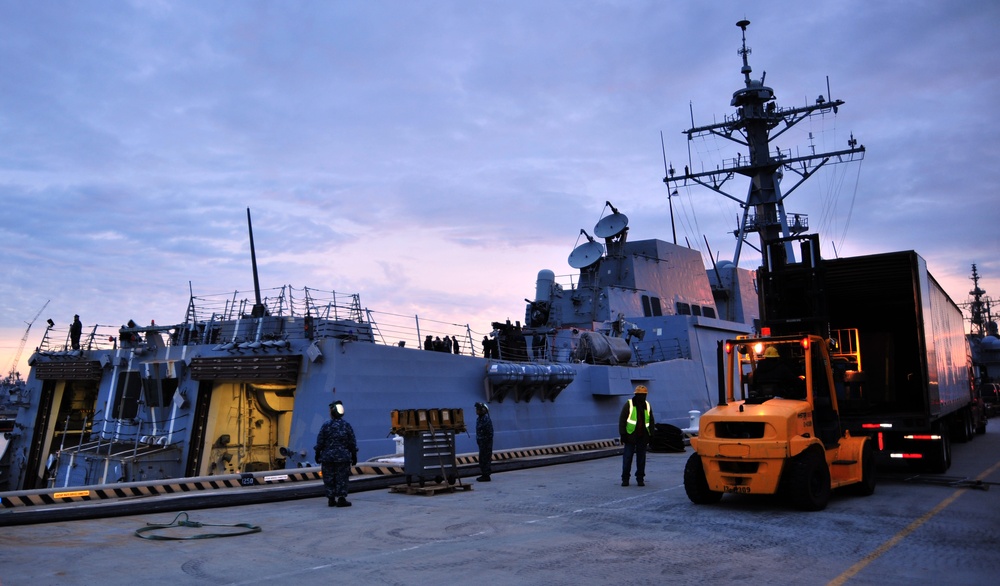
<point>335,475</point>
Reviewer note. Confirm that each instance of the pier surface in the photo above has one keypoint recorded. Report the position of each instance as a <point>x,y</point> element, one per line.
<point>565,523</point>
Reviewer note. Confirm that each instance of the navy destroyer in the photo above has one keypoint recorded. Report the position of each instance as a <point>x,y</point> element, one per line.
<point>241,382</point>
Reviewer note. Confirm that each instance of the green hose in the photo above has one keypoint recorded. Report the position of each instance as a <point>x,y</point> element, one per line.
<point>186,523</point>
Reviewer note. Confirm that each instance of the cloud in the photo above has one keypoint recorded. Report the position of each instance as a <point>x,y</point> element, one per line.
<point>434,159</point>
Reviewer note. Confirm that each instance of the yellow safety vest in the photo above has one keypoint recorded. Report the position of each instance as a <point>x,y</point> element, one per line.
<point>633,416</point>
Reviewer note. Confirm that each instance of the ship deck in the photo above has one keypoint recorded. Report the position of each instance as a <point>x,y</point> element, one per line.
<point>563,522</point>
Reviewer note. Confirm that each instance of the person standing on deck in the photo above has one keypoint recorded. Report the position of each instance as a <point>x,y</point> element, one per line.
<point>336,450</point>
<point>75,329</point>
<point>635,426</point>
<point>484,437</point>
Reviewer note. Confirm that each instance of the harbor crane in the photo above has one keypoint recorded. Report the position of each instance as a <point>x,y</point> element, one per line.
<point>24,340</point>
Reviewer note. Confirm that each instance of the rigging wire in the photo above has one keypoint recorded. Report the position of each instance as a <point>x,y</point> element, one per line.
<point>850,210</point>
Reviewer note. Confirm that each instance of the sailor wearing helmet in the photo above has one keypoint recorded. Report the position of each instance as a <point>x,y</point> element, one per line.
<point>635,426</point>
<point>336,450</point>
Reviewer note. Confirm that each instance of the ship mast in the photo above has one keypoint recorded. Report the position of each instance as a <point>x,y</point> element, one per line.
<point>980,308</point>
<point>757,121</point>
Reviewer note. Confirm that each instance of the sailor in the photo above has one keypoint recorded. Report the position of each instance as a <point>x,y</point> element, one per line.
<point>454,345</point>
<point>635,426</point>
<point>484,437</point>
<point>75,329</point>
<point>336,450</point>
<point>428,343</point>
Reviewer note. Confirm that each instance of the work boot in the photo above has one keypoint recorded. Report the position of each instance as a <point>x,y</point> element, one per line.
<point>331,502</point>
<point>483,479</point>
<point>625,482</point>
<point>640,482</point>
<point>343,502</point>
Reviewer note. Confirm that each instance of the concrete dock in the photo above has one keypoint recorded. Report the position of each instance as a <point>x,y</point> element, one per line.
<point>568,523</point>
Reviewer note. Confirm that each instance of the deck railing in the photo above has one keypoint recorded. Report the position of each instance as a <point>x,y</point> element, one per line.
<point>204,310</point>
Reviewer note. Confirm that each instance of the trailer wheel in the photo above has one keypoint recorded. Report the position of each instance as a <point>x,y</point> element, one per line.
<point>809,480</point>
<point>940,461</point>
<point>963,426</point>
<point>695,484</point>
<point>867,485</point>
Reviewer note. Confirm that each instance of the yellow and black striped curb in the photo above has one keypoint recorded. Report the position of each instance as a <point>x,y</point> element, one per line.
<point>130,490</point>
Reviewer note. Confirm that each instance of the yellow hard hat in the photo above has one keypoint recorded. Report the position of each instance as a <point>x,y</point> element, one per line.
<point>771,352</point>
<point>641,389</point>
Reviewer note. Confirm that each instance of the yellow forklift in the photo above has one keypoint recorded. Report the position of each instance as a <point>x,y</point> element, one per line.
<point>776,429</point>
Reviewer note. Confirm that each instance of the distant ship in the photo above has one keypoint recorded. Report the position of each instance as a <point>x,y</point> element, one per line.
<point>984,340</point>
<point>242,384</point>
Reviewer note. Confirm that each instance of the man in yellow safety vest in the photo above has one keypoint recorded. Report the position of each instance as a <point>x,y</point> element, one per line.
<point>635,426</point>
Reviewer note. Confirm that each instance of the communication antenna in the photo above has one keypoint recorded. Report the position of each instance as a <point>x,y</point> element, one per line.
<point>258,308</point>
<point>587,254</point>
<point>611,226</point>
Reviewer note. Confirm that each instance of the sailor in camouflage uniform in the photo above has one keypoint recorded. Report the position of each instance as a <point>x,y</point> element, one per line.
<point>484,438</point>
<point>337,450</point>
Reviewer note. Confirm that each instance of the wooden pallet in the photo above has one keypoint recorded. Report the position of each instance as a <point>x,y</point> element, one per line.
<point>429,489</point>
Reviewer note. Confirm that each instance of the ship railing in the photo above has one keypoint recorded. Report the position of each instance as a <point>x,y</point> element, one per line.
<point>659,350</point>
<point>412,331</point>
<point>124,453</point>
<point>331,307</point>
<point>279,301</point>
<point>331,311</point>
<point>567,282</point>
<point>56,339</point>
<point>797,223</point>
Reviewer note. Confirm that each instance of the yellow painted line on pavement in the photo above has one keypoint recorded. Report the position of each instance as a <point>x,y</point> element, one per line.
<point>856,568</point>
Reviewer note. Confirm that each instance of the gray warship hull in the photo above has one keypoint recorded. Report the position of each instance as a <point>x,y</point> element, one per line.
<point>239,386</point>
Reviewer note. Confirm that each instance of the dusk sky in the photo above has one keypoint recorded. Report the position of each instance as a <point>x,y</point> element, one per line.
<point>433,156</point>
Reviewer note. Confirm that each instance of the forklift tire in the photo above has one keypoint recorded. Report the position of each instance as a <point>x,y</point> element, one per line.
<point>809,480</point>
<point>695,484</point>
<point>867,485</point>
